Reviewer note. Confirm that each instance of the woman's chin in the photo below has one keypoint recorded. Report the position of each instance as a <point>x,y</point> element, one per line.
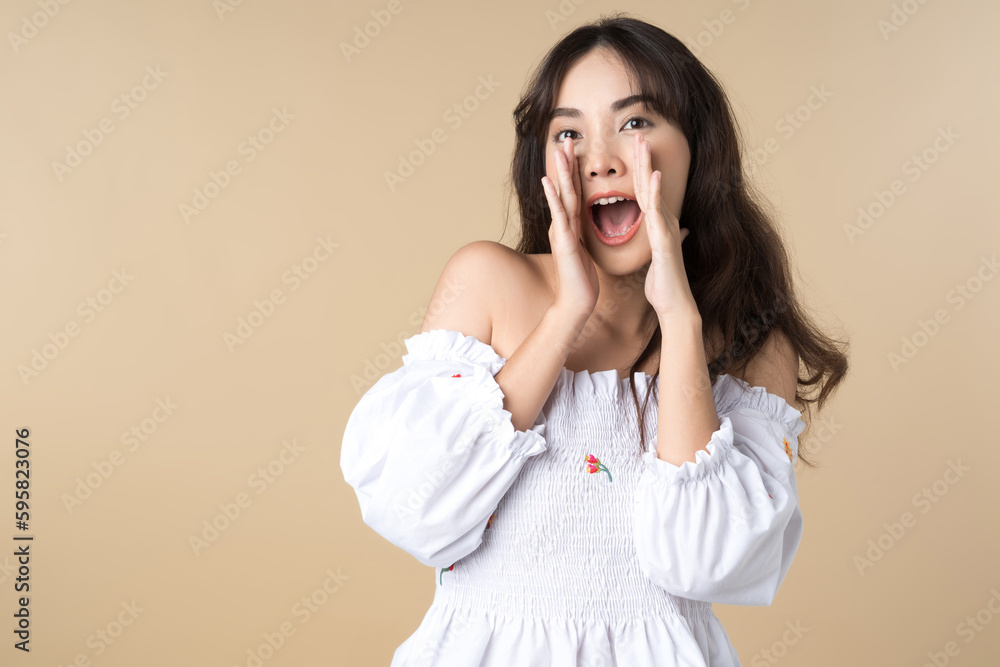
<point>620,261</point>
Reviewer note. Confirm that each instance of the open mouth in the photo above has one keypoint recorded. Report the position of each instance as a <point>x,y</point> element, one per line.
<point>617,220</point>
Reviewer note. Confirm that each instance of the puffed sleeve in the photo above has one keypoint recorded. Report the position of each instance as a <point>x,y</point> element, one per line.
<point>430,450</point>
<point>725,527</point>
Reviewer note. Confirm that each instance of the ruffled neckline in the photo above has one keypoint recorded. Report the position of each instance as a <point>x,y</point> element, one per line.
<point>444,344</point>
<point>605,383</point>
<point>729,392</point>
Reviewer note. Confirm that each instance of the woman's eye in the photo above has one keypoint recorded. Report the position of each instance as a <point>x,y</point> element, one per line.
<point>558,136</point>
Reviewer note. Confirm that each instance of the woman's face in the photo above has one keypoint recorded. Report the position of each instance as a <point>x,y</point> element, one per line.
<point>603,143</point>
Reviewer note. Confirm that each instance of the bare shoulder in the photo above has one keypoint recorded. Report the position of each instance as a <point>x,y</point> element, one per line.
<point>473,291</point>
<point>775,367</point>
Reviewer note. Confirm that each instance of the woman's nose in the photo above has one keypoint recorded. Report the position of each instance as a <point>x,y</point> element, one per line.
<point>601,160</point>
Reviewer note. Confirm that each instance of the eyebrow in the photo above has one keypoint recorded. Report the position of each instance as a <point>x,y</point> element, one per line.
<point>624,103</point>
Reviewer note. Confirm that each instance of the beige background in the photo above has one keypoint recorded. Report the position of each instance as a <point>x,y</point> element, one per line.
<point>162,336</point>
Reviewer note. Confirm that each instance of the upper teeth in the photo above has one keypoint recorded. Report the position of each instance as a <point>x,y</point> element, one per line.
<point>610,200</point>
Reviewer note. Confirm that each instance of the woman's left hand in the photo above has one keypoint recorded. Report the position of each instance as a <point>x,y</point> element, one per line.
<point>667,288</point>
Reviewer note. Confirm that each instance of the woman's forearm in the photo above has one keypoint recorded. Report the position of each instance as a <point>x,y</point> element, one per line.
<point>686,416</point>
<point>531,371</point>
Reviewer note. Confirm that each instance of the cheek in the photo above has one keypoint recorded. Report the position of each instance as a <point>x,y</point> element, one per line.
<point>670,148</point>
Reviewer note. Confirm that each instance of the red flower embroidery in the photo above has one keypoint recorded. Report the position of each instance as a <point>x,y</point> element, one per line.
<point>457,375</point>
<point>594,465</point>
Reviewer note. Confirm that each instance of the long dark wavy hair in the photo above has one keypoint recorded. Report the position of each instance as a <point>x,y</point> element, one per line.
<point>734,257</point>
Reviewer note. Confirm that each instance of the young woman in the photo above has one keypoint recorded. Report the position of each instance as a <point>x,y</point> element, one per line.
<point>505,453</point>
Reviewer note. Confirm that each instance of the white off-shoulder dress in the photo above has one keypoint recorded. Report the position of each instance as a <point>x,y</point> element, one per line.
<point>563,545</point>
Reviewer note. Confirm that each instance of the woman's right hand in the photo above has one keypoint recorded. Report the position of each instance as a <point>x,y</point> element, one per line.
<point>578,287</point>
